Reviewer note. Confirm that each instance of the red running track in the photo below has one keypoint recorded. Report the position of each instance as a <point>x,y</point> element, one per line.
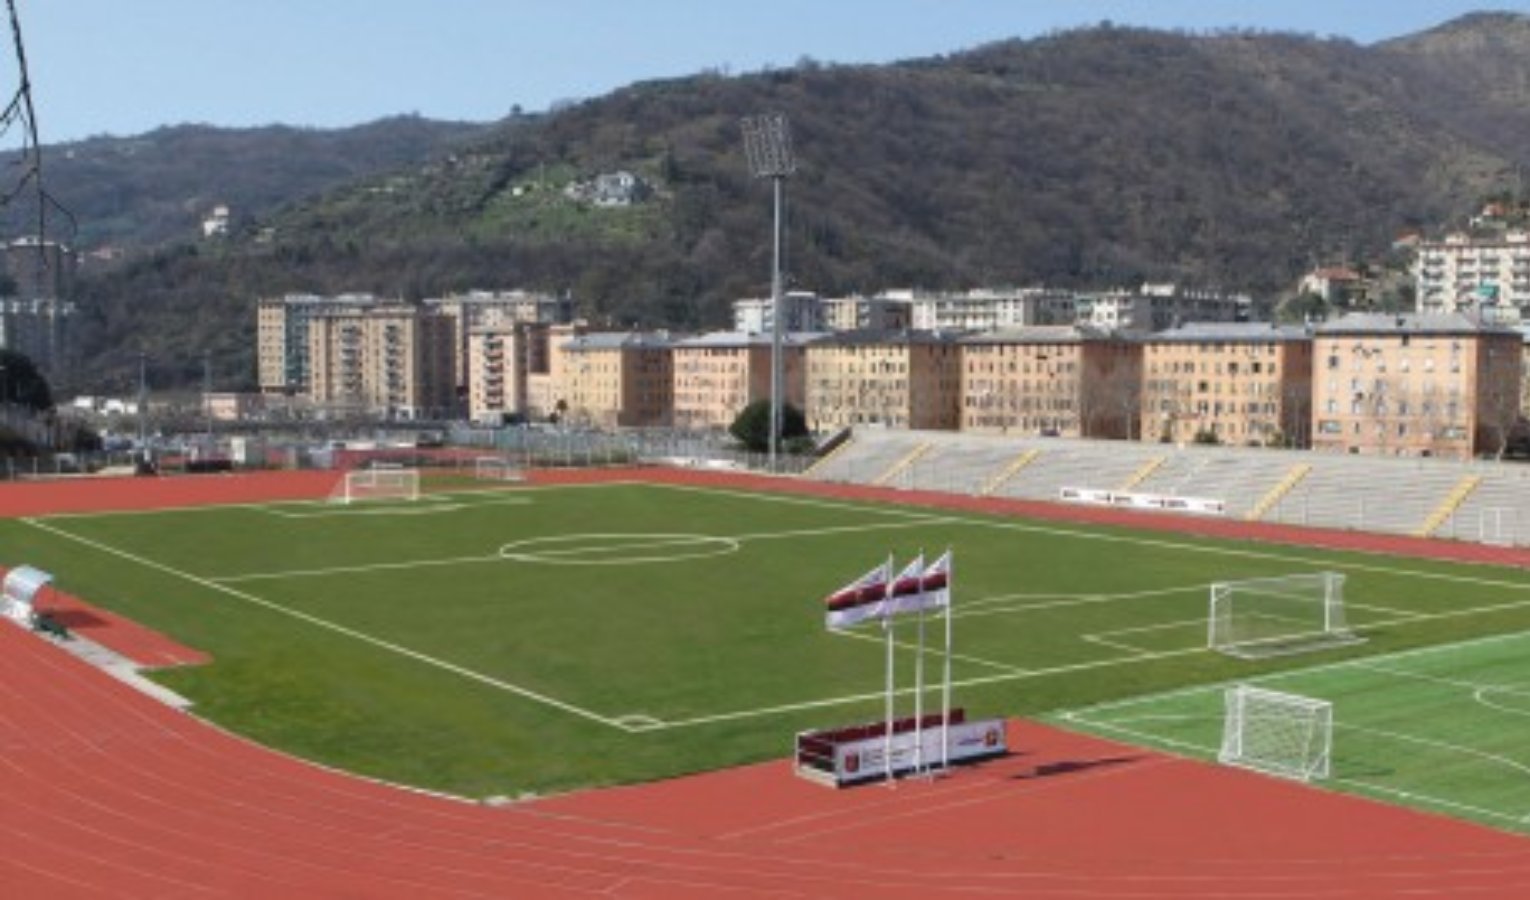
<point>104,792</point>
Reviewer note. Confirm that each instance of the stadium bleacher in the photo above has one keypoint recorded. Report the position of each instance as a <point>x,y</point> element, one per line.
<point>1381,494</point>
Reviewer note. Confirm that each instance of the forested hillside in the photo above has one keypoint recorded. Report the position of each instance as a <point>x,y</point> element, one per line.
<point>1101,156</point>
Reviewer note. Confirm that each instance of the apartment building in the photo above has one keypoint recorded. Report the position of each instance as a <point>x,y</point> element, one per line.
<point>1426,385</point>
<point>616,380</point>
<point>897,379</point>
<point>1156,307</point>
<point>1240,383</point>
<point>1057,380</point>
<point>804,312</point>
<point>282,345</point>
<point>484,309</point>
<point>989,309</point>
<point>856,313</point>
<point>42,331</point>
<point>1462,273</point>
<point>391,360</point>
<point>41,270</point>
<point>717,375</point>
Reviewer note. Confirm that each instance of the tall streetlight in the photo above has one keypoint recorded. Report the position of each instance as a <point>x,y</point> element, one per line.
<point>768,146</point>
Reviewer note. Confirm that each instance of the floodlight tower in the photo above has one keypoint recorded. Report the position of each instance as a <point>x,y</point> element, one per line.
<point>768,145</point>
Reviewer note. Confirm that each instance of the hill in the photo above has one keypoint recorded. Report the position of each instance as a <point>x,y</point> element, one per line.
<point>144,191</point>
<point>1101,156</point>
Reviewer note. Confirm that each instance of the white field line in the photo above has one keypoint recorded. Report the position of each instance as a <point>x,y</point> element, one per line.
<point>905,645</point>
<point>428,505</point>
<point>782,709</point>
<point>1153,740</point>
<point>1162,543</point>
<point>367,567</point>
<point>1103,637</point>
<point>1364,661</point>
<point>268,505</point>
<point>1006,677</point>
<point>334,627</point>
<point>571,553</point>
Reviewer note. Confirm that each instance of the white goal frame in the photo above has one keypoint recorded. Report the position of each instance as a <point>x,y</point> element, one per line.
<point>496,468</point>
<point>1277,733</point>
<point>377,483</point>
<point>1261,617</point>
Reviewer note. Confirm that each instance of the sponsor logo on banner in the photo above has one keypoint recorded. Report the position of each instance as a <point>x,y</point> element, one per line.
<point>866,758</point>
<point>1094,497</point>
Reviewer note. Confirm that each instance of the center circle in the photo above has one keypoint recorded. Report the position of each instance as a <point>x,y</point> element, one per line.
<point>617,549</point>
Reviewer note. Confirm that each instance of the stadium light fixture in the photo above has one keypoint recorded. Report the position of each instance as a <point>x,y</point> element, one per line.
<point>768,147</point>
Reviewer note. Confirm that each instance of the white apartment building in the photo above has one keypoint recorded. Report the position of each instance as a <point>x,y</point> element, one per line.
<point>989,309</point>
<point>857,313</point>
<point>1490,276</point>
<point>804,312</point>
<point>1156,307</point>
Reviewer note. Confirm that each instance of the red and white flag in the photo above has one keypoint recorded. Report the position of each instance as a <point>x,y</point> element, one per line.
<point>862,599</point>
<point>935,586</point>
<point>907,588</point>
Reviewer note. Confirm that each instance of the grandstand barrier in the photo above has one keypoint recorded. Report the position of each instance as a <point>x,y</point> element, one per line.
<point>1167,502</point>
<point>840,757</point>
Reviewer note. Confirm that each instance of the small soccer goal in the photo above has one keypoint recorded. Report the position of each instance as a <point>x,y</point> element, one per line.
<point>496,468</point>
<point>1263,617</point>
<point>381,483</point>
<point>1281,734</point>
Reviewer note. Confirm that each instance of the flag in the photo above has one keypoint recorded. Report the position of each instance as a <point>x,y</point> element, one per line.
<point>906,589</point>
<point>936,583</point>
<point>862,599</point>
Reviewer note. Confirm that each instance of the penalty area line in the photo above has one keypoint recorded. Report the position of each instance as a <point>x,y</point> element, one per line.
<point>337,628</point>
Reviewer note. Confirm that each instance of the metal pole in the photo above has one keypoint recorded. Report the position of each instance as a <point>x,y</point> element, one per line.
<point>777,327</point>
<point>143,403</point>
<point>207,395</point>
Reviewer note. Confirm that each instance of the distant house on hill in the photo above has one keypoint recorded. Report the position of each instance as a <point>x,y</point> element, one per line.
<point>609,189</point>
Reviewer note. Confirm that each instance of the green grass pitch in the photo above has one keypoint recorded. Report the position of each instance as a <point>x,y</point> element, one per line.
<point>540,639</point>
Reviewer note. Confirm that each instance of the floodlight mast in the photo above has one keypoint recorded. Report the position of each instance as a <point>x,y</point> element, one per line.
<point>768,146</point>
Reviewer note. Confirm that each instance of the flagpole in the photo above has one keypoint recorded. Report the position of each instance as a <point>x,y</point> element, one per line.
<point>945,715</point>
<point>887,626</point>
<point>919,679</point>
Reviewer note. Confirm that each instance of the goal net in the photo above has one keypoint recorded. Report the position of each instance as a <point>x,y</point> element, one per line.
<point>496,468</point>
<point>1281,734</point>
<point>1263,617</point>
<point>360,485</point>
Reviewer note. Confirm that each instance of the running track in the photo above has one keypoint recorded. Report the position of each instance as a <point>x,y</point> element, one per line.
<point>104,792</point>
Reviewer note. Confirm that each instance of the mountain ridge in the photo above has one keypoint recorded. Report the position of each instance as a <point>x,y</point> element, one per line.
<point>1099,156</point>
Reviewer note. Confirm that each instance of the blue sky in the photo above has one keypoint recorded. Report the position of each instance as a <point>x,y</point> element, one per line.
<point>127,66</point>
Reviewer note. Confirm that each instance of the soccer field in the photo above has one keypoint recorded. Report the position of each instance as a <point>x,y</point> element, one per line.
<point>1439,727</point>
<point>540,638</point>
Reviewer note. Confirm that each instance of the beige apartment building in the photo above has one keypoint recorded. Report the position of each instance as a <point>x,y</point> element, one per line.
<point>1058,380</point>
<point>282,344</point>
<point>1414,385</point>
<point>717,375</point>
<point>393,360</point>
<point>895,379</point>
<point>1237,383</point>
<point>612,380</point>
<point>488,309</point>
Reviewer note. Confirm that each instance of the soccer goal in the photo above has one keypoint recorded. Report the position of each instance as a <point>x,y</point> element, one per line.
<point>382,483</point>
<point>1263,617</point>
<point>496,468</point>
<point>1278,733</point>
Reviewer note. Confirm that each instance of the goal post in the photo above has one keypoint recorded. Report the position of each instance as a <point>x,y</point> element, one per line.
<point>497,468</point>
<point>381,483</point>
<point>1277,733</point>
<point>1260,617</point>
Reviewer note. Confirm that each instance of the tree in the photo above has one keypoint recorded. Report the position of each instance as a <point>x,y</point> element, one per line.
<point>21,384</point>
<point>752,426</point>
